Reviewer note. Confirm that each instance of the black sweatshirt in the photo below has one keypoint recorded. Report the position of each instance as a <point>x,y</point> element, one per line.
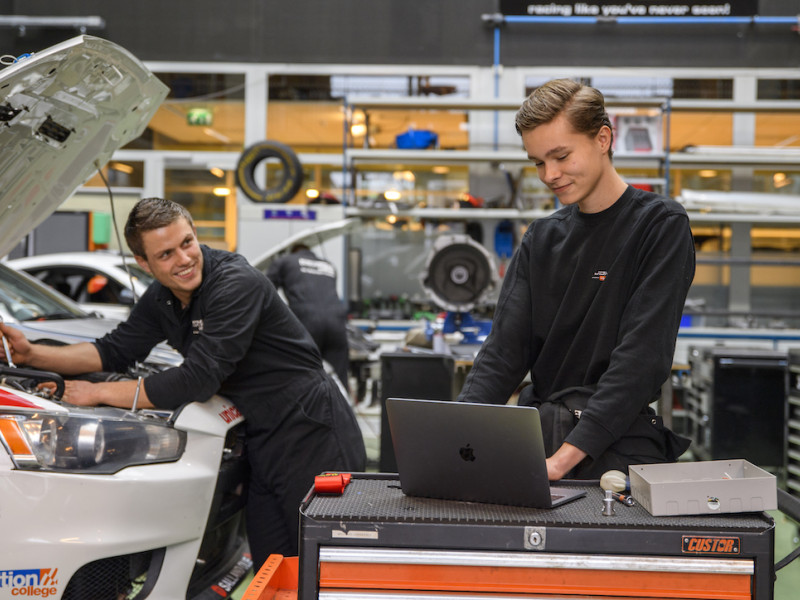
<point>591,301</point>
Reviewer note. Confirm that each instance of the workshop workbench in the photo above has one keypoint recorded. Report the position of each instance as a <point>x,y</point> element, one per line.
<point>374,541</point>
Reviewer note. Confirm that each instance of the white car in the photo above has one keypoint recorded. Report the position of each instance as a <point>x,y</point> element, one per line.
<point>100,503</point>
<point>46,316</point>
<point>107,283</point>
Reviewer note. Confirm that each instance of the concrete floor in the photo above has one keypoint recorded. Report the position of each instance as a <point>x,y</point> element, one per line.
<point>787,584</point>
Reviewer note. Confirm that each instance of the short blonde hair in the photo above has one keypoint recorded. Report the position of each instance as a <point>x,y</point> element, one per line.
<point>583,106</point>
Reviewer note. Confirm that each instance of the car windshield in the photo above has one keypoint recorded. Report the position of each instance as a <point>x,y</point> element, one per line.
<point>25,300</point>
<point>137,272</point>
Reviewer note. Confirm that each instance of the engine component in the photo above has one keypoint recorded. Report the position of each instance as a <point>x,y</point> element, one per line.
<point>459,273</point>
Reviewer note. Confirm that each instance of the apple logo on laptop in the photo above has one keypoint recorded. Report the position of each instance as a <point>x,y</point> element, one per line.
<point>467,453</point>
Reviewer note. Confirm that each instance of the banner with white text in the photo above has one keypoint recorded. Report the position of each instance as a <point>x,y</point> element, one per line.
<point>645,8</point>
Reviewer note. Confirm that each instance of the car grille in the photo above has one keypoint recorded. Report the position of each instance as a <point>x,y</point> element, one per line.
<point>130,576</point>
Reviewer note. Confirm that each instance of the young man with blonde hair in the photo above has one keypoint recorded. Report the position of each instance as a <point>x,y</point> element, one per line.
<point>592,300</point>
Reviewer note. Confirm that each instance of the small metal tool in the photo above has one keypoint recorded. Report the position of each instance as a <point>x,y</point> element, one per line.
<point>136,395</point>
<point>7,349</point>
<point>624,498</point>
<point>608,504</point>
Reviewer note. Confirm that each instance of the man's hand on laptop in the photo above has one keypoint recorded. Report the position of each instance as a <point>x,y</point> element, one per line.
<point>563,460</point>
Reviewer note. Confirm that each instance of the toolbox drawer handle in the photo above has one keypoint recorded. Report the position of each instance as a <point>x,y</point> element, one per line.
<point>665,564</point>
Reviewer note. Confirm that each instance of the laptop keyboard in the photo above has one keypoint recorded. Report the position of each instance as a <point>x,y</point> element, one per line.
<point>554,497</point>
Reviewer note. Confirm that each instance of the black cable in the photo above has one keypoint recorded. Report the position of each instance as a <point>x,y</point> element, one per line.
<point>787,559</point>
<point>116,231</point>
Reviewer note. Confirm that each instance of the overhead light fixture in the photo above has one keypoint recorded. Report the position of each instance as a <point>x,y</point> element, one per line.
<point>217,172</point>
<point>404,176</point>
<point>121,167</point>
<point>79,23</point>
<point>312,193</point>
<point>391,195</point>
<point>441,170</point>
<point>780,180</point>
<point>222,191</point>
<point>358,129</point>
<point>707,173</point>
<point>216,135</point>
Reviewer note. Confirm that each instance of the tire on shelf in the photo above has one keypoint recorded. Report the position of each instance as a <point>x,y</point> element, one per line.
<point>253,156</point>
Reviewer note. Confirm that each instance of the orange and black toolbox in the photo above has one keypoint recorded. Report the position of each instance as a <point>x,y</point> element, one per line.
<point>373,541</point>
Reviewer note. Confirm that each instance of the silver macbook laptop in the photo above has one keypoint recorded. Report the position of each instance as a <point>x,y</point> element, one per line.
<point>472,452</point>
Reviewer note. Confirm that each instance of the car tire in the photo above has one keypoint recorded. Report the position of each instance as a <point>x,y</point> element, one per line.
<point>253,156</point>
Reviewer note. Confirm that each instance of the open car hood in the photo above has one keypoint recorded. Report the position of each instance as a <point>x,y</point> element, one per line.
<point>63,112</point>
<point>311,237</point>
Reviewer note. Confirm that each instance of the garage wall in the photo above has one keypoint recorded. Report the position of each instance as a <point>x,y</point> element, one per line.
<point>445,32</point>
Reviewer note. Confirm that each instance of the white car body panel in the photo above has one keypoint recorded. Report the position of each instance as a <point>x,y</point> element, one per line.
<point>70,507</point>
<point>93,514</point>
<point>90,90</point>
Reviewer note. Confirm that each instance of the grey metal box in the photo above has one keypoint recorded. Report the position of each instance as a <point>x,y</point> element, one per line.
<point>704,487</point>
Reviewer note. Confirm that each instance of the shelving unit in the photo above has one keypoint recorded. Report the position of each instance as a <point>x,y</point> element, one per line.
<point>655,168</point>
<point>793,425</point>
<point>404,157</point>
<point>699,156</point>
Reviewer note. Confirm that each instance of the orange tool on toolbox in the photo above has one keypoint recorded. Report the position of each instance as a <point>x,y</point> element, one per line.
<point>331,483</point>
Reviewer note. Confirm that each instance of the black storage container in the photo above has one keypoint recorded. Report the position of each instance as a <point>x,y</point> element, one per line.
<point>412,375</point>
<point>737,404</point>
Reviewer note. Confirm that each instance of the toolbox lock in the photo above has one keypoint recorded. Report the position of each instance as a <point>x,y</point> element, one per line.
<point>535,538</point>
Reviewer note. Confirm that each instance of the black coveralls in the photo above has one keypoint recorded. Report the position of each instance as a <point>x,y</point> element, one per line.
<point>239,339</point>
<point>309,283</point>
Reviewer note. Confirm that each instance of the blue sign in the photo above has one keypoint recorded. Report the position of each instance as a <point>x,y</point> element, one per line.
<point>289,214</point>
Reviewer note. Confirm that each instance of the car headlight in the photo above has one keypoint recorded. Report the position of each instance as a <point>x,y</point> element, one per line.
<point>87,443</point>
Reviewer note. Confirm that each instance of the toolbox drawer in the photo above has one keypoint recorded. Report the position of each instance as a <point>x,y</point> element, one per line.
<point>347,570</point>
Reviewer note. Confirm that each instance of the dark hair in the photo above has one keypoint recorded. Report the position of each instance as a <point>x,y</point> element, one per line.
<point>583,106</point>
<point>149,214</point>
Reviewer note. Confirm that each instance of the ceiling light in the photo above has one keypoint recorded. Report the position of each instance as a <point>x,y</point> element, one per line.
<point>707,173</point>
<point>222,191</point>
<point>391,195</point>
<point>122,167</point>
<point>217,172</point>
<point>312,193</point>
<point>404,176</point>
<point>216,135</point>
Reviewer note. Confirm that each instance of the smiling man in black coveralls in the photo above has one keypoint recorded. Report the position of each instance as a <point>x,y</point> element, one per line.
<point>238,339</point>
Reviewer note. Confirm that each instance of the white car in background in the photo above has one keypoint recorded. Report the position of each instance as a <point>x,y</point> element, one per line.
<point>104,282</point>
<point>99,503</point>
<point>46,316</point>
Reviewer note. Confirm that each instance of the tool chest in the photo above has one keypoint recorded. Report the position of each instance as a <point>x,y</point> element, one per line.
<point>373,541</point>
